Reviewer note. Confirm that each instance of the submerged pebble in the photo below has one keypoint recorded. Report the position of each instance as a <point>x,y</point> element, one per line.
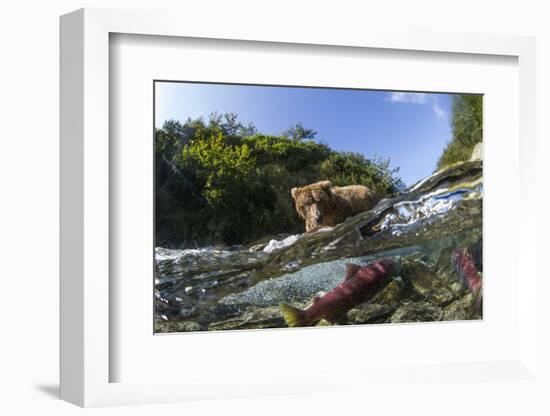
<point>417,312</point>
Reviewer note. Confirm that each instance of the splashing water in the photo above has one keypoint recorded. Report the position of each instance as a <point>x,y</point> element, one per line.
<point>279,244</point>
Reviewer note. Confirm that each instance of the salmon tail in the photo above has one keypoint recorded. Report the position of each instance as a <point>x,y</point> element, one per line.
<point>477,303</point>
<point>293,316</point>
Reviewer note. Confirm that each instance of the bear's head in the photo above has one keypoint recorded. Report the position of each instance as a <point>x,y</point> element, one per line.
<point>313,203</point>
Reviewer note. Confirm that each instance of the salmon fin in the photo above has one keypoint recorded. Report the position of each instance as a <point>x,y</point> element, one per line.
<point>293,316</point>
<point>317,297</point>
<point>351,269</point>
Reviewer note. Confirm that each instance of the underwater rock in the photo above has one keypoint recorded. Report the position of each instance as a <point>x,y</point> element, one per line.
<point>220,312</point>
<point>177,326</point>
<point>443,265</point>
<point>371,313</point>
<point>254,318</point>
<point>425,281</point>
<point>457,288</point>
<point>390,295</point>
<point>460,309</point>
<point>417,312</point>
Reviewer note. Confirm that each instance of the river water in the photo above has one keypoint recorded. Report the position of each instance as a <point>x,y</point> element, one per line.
<point>427,221</point>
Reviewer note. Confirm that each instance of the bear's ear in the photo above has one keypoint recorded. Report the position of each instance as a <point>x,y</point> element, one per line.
<point>293,192</point>
<point>325,184</point>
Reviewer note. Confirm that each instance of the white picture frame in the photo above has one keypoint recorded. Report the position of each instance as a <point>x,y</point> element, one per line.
<point>85,212</point>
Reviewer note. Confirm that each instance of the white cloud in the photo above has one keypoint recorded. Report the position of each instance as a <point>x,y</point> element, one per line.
<point>409,97</point>
<point>419,98</point>
<point>440,114</point>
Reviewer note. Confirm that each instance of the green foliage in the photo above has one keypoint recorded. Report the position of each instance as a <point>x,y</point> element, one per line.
<point>353,168</point>
<point>293,154</point>
<point>170,139</point>
<point>229,125</point>
<point>224,183</point>
<point>299,132</point>
<point>467,128</point>
<point>217,165</point>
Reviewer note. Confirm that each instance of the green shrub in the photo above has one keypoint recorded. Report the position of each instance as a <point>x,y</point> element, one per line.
<point>467,129</point>
<point>222,183</point>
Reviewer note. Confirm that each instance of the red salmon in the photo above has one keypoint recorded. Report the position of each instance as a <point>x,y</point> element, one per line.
<point>469,275</point>
<point>359,285</point>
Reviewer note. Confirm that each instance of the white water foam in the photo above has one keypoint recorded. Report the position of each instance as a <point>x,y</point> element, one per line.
<point>278,244</point>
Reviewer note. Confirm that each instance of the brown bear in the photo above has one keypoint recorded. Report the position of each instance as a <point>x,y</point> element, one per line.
<point>322,204</point>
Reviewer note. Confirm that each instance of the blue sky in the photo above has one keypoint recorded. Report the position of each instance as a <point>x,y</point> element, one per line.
<point>409,128</point>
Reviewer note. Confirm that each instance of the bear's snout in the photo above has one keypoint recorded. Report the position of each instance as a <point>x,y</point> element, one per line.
<point>314,218</point>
